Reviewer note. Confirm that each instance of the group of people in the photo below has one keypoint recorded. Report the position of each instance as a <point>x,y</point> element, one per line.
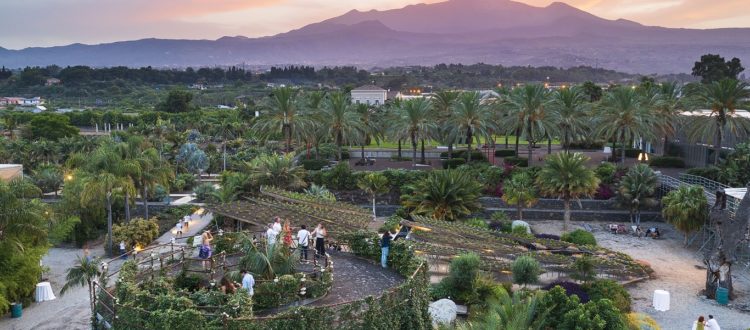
<point>182,224</point>
<point>703,324</point>
<point>304,236</point>
<point>227,286</point>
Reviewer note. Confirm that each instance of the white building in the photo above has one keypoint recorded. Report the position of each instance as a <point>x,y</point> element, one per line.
<point>369,94</point>
<point>9,172</point>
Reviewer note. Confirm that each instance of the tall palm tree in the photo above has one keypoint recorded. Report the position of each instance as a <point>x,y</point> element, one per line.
<point>623,116</point>
<point>341,123</point>
<point>637,189</point>
<point>470,118</point>
<point>154,171</point>
<point>443,103</point>
<point>528,114</point>
<point>279,115</point>
<point>414,123</point>
<point>686,208</point>
<point>569,110</point>
<point>373,184</point>
<point>566,176</point>
<point>84,273</point>
<point>226,129</point>
<point>722,98</point>
<point>369,126</point>
<point>668,107</point>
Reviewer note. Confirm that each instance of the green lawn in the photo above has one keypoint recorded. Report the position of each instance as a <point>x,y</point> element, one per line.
<point>499,140</point>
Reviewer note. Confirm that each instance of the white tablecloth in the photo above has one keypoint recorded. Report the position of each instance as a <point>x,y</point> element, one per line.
<point>43,292</point>
<point>661,300</point>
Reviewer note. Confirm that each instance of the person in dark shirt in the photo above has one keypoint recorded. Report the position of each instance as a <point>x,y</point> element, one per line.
<point>385,245</point>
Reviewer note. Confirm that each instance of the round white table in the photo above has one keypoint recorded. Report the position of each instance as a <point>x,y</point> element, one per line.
<point>43,292</point>
<point>661,300</point>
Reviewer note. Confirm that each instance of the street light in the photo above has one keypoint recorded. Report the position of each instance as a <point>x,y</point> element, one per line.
<point>643,157</point>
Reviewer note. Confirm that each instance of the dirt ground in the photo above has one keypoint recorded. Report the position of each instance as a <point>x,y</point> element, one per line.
<point>678,270</point>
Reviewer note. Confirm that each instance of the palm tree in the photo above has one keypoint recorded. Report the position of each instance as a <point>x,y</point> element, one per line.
<point>516,312</point>
<point>368,126</point>
<point>226,130</point>
<point>722,98</point>
<point>637,189</point>
<point>49,178</point>
<point>520,190</point>
<point>443,103</point>
<point>276,170</point>
<point>341,123</point>
<point>414,122</point>
<point>444,195</point>
<point>280,115</point>
<point>668,107</point>
<point>527,106</point>
<point>21,219</point>
<point>84,273</point>
<point>565,175</point>
<point>373,184</point>
<point>569,110</point>
<point>154,171</point>
<point>686,208</point>
<point>470,118</point>
<point>273,261</point>
<point>622,116</point>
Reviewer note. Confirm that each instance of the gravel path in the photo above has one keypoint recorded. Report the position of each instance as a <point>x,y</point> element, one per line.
<point>676,270</point>
<point>355,278</point>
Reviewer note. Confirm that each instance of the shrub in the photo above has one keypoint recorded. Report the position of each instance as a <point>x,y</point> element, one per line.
<point>579,237</point>
<point>204,191</point>
<point>477,222</point>
<point>505,153</point>
<point>475,155</point>
<point>187,282</point>
<point>314,164</point>
<point>611,290</point>
<point>586,145</point>
<point>629,152</point>
<point>711,172</point>
<point>547,236</point>
<point>525,270</point>
<point>460,281</point>
<point>604,192</point>
<point>606,172</point>
<point>396,158</point>
<point>521,231</point>
<point>639,321</point>
<point>667,161</point>
<point>138,232</point>
<point>339,177</point>
<point>183,181</point>
<point>593,315</point>
<point>583,269</point>
<point>453,163</point>
<point>444,195</point>
<point>516,161</point>
<point>571,288</point>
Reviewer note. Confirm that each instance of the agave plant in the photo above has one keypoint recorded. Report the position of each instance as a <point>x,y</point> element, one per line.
<point>320,192</point>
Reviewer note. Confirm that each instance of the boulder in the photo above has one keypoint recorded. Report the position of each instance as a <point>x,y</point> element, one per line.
<point>443,312</point>
<point>519,223</point>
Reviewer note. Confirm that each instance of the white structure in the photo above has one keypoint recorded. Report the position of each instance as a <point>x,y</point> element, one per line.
<point>9,172</point>
<point>443,312</point>
<point>369,94</point>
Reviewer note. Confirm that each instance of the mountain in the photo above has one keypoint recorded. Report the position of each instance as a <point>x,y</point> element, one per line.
<point>455,31</point>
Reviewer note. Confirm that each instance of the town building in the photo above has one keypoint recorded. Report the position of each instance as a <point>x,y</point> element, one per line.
<point>369,94</point>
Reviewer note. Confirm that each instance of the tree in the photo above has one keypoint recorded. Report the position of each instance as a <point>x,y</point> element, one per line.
<point>48,178</point>
<point>414,122</point>
<point>592,91</point>
<point>669,105</point>
<point>470,118</point>
<point>722,98</point>
<point>49,126</point>
<point>226,129</point>
<point>637,189</point>
<point>280,114</point>
<point>569,109</point>
<point>622,116</point>
<point>369,126</point>
<point>444,195</point>
<point>84,273</point>
<point>373,184</point>
<point>686,208</point>
<point>712,68</point>
<point>341,123</point>
<point>527,106</point>
<point>520,190</point>
<point>193,158</point>
<point>177,101</point>
<point>525,270</point>
<point>277,170</point>
<point>443,103</point>
<point>566,176</point>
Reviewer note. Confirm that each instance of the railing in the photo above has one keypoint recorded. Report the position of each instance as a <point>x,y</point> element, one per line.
<point>710,187</point>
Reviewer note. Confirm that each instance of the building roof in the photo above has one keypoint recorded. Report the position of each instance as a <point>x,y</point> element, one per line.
<point>369,88</point>
<point>10,171</point>
<point>738,113</point>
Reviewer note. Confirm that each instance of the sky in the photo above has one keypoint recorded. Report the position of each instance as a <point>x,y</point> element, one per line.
<point>26,23</point>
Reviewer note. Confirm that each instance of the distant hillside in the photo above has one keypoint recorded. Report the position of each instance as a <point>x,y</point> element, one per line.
<point>456,31</point>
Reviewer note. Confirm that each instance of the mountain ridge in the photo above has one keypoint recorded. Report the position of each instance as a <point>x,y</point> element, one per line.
<point>456,31</point>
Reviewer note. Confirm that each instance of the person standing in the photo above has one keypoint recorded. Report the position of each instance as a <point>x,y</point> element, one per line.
<point>277,225</point>
<point>700,324</point>
<point>179,229</point>
<point>303,240</point>
<point>123,250</point>
<point>186,221</point>
<point>205,251</point>
<point>320,239</point>
<point>287,234</point>
<point>712,324</point>
<point>385,246</point>
<point>248,282</point>
<point>271,235</point>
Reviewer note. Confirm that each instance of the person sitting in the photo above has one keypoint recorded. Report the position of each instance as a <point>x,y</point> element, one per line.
<point>653,232</point>
<point>227,286</point>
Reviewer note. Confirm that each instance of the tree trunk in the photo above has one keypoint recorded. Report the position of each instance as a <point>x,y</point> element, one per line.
<point>665,150</point>
<point>145,201</point>
<point>399,149</point>
<point>414,150</point>
<point>362,149</point>
<point>127,207</point>
<point>729,234</point>
<point>373,207</point>
<point>614,149</point>
<point>469,137</point>
<point>317,151</point>
<point>529,141</point>
<point>549,145</point>
<point>506,140</point>
<point>566,216</point>
<point>224,168</point>
<point>520,210</point>
<point>719,138</point>
<point>423,161</point>
<point>518,137</point>
<point>622,153</point>
<point>338,146</point>
<point>109,223</point>
<point>450,150</point>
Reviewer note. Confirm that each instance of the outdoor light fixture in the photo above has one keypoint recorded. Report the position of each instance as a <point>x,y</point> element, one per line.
<point>643,157</point>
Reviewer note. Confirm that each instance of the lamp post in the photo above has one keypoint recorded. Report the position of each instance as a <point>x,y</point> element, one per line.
<point>642,157</point>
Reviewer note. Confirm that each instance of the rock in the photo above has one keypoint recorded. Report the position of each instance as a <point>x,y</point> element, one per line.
<point>519,223</point>
<point>538,246</point>
<point>443,311</point>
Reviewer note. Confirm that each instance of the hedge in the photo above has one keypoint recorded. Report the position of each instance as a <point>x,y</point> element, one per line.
<point>475,155</point>
<point>453,163</point>
<point>314,164</point>
<point>579,237</point>
<point>505,153</point>
<point>667,161</point>
<point>516,161</point>
<point>629,152</point>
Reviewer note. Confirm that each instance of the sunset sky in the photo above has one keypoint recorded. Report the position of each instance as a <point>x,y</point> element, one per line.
<point>25,23</point>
